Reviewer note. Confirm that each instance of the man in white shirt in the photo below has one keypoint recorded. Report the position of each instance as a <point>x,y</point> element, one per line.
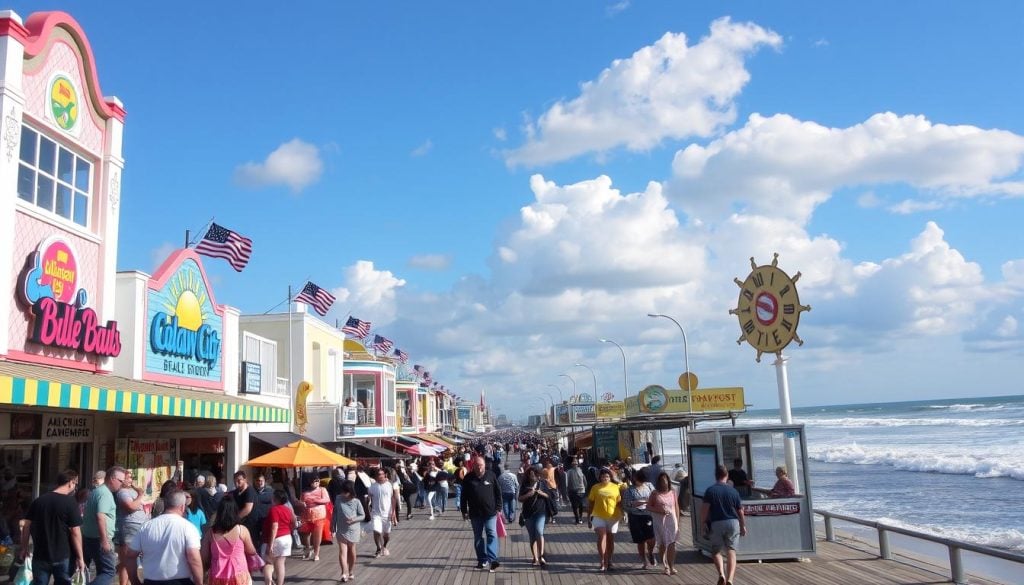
<point>169,546</point>
<point>383,511</point>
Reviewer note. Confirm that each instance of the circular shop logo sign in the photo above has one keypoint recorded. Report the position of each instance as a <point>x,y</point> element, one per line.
<point>653,398</point>
<point>64,102</point>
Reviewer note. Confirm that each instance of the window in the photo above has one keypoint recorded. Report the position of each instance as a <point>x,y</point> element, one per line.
<point>54,178</point>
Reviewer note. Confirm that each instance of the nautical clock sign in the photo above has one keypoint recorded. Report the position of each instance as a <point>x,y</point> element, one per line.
<point>768,308</point>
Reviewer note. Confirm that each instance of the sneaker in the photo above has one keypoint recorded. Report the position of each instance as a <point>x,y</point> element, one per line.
<point>376,554</point>
<point>386,552</point>
<point>431,517</point>
<point>481,565</point>
<point>494,566</point>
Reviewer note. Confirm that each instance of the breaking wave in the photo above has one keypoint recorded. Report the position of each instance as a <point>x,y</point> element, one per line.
<point>995,465</point>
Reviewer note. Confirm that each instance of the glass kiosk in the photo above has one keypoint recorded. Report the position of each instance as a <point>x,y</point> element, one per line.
<point>780,524</point>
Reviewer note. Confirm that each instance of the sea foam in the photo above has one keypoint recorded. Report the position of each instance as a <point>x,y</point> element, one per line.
<point>932,461</point>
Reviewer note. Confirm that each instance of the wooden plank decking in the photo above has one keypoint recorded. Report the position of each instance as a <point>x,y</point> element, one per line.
<point>440,552</point>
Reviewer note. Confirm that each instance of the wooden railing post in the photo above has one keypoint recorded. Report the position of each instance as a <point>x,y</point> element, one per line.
<point>830,531</point>
<point>956,566</point>
<point>883,544</point>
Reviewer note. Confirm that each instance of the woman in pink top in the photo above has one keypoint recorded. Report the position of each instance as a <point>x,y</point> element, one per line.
<point>226,546</point>
<point>315,500</point>
<point>664,510</point>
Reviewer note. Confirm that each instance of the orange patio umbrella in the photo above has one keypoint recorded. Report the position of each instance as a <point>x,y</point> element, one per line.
<point>300,454</point>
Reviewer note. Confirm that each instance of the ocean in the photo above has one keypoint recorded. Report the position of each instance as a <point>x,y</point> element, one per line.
<point>953,468</point>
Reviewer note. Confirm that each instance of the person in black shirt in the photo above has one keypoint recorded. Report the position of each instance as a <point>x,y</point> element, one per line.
<point>55,524</point>
<point>245,499</point>
<point>739,479</point>
<point>481,502</point>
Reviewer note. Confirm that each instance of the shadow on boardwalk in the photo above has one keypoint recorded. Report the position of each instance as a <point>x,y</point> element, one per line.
<point>440,552</point>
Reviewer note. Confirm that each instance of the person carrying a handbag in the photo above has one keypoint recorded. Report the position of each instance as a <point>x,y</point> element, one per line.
<point>227,548</point>
<point>534,515</point>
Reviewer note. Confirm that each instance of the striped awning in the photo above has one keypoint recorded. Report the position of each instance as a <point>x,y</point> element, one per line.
<point>34,385</point>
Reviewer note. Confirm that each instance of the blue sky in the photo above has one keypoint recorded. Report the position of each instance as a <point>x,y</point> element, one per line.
<point>496,188</point>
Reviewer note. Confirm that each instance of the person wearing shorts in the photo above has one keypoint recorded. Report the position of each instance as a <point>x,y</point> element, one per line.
<point>604,511</point>
<point>348,513</point>
<point>641,524</point>
<point>383,511</point>
<point>723,523</point>
<point>277,533</point>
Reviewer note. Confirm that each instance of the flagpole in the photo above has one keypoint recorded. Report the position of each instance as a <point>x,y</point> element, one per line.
<point>291,385</point>
<point>187,239</point>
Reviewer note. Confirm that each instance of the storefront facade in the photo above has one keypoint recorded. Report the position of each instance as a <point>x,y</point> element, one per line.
<point>74,384</point>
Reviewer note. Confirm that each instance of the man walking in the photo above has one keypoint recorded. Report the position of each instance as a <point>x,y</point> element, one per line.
<point>54,523</point>
<point>383,511</point>
<point>481,501</point>
<point>576,485</point>
<point>724,523</point>
<point>98,526</point>
<point>261,509</point>
<point>508,482</point>
<point>169,546</point>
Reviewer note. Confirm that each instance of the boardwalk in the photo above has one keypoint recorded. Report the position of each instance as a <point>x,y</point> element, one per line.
<point>440,552</point>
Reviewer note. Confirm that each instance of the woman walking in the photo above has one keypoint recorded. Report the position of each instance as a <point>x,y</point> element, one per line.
<point>314,518</point>
<point>277,529</point>
<point>348,512</point>
<point>534,513</point>
<point>225,548</point>
<point>665,512</point>
<point>641,524</point>
<point>408,488</point>
<point>604,511</point>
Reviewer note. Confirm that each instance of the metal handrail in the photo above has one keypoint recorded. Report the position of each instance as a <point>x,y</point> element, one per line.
<point>955,547</point>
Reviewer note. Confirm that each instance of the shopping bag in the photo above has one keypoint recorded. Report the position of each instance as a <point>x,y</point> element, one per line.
<point>255,563</point>
<point>501,526</point>
<point>78,578</point>
<point>24,576</point>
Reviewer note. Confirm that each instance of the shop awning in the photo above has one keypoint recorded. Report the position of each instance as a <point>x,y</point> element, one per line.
<point>45,386</point>
<point>373,450</point>
<point>278,440</point>
<point>439,441</point>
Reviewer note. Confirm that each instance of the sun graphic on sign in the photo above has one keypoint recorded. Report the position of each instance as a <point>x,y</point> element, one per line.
<point>186,299</point>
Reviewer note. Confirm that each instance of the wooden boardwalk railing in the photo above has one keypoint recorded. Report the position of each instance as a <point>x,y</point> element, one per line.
<point>440,552</point>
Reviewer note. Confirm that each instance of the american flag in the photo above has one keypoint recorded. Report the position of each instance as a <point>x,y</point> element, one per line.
<point>382,344</point>
<point>401,355</point>
<point>419,371</point>
<point>356,328</point>
<point>220,242</point>
<point>318,298</point>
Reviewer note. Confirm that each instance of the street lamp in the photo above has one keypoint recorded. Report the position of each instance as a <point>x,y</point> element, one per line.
<point>573,384</point>
<point>560,397</point>
<point>592,374</point>
<point>625,387</point>
<point>686,354</point>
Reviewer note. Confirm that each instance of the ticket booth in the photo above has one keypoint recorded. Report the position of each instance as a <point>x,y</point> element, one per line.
<point>780,524</point>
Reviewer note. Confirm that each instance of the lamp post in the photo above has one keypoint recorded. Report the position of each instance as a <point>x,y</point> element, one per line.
<point>573,384</point>
<point>592,374</point>
<point>625,387</point>
<point>560,397</point>
<point>686,357</point>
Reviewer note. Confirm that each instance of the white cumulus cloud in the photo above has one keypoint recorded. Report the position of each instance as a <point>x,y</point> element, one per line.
<point>668,90</point>
<point>295,164</point>
<point>369,292</point>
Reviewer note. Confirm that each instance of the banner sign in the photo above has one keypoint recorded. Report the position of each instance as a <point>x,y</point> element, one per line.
<point>771,509</point>
<point>562,414</point>
<point>656,399</point>
<point>185,327</point>
<point>583,413</point>
<point>61,318</point>
<point>606,410</point>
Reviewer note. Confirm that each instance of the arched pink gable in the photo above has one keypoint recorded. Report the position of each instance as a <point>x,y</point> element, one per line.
<point>34,35</point>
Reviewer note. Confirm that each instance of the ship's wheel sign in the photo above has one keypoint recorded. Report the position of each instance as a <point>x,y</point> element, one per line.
<point>768,308</point>
<point>607,396</point>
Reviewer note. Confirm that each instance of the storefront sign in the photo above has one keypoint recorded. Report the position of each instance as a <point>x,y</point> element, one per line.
<point>60,316</point>
<point>606,443</point>
<point>185,326</point>
<point>251,377</point>
<point>771,509</point>
<point>606,410</point>
<point>658,400</point>
<point>562,414</point>
<point>346,430</point>
<point>583,413</point>
<point>63,101</point>
<point>61,428</point>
